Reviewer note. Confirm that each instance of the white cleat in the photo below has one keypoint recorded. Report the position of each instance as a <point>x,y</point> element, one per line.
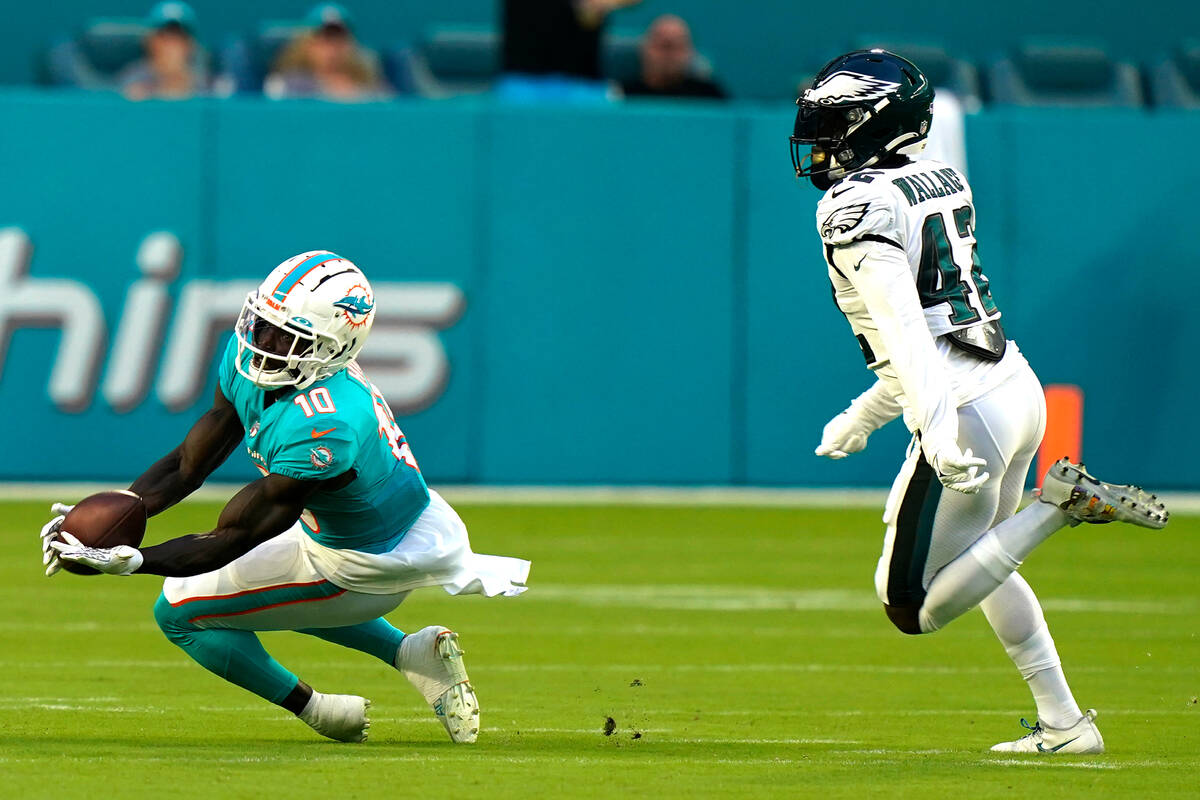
<point>432,661</point>
<point>1069,487</point>
<point>1082,738</point>
<point>338,716</point>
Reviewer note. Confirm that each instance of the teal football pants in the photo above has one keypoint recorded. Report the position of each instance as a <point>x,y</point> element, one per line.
<point>218,632</point>
<point>213,617</point>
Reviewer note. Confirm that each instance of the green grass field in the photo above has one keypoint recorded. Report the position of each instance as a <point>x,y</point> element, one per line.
<point>740,652</point>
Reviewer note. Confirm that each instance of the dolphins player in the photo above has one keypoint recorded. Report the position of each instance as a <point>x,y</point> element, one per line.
<point>899,240</point>
<point>336,532</point>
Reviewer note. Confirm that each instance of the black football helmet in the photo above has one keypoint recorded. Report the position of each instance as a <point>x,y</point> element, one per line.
<point>862,108</point>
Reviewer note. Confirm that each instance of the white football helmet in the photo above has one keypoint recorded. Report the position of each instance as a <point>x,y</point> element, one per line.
<point>305,322</point>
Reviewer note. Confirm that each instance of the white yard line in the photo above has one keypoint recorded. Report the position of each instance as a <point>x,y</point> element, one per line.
<point>373,753</point>
<point>469,494</point>
<point>718,496</point>
<point>1050,762</point>
<point>701,597</point>
<point>264,710</point>
<point>537,495</point>
<point>626,670</point>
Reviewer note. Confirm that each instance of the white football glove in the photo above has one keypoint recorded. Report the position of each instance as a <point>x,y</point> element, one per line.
<point>49,534</point>
<point>119,560</point>
<point>959,470</point>
<point>843,435</point>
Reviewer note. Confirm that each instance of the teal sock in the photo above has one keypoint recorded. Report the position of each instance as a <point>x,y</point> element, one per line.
<point>378,638</point>
<point>236,656</point>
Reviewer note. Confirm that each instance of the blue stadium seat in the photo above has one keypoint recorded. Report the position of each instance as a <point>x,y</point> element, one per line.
<point>1175,80</point>
<point>1064,73</point>
<point>806,71</point>
<point>400,68</point>
<point>248,59</point>
<point>456,59</point>
<point>943,70</point>
<point>94,58</point>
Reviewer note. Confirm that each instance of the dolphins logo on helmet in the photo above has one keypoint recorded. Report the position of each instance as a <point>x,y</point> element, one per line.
<point>357,305</point>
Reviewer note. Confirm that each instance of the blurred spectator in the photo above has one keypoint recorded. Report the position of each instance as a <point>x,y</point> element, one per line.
<point>556,37</point>
<point>326,61</point>
<point>173,65</point>
<point>669,64</point>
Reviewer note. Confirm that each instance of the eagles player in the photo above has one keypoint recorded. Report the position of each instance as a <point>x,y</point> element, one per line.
<point>336,532</point>
<point>899,240</point>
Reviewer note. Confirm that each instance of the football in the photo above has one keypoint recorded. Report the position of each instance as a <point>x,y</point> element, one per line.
<point>106,519</point>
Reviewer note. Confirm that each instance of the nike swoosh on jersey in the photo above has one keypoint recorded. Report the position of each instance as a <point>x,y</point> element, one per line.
<point>316,434</point>
<point>834,194</point>
<point>1056,748</point>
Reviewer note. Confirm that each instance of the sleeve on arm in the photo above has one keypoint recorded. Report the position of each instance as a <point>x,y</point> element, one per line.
<point>316,459</point>
<point>876,406</point>
<point>883,279</point>
<point>228,369</point>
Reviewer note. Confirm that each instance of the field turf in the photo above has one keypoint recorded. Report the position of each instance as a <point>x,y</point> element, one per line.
<point>739,652</point>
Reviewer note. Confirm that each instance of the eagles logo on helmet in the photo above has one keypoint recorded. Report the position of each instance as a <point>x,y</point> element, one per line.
<point>862,109</point>
<point>843,87</point>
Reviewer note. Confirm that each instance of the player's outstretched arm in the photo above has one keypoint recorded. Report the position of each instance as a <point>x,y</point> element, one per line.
<point>260,511</point>
<point>184,469</point>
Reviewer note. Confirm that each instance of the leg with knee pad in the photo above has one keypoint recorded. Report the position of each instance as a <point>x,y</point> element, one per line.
<point>906,618</point>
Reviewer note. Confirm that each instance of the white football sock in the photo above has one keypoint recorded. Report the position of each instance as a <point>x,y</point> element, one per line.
<point>1016,616</point>
<point>967,580</point>
<point>337,716</point>
<point>1028,528</point>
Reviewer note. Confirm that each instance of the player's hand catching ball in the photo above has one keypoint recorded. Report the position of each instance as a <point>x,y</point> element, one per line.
<point>959,470</point>
<point>119,560</point>
<point>49,534</point>
<point>843,435</point>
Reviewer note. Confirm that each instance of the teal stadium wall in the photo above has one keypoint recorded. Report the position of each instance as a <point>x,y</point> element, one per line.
<point>644,299</point>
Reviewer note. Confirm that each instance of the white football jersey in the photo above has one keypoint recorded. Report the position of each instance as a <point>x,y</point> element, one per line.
<point>924,208</point>
<point>920,214</point>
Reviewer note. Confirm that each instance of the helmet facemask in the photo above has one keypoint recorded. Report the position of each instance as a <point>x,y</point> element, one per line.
<point>282,350</point>
<point>825,130</point>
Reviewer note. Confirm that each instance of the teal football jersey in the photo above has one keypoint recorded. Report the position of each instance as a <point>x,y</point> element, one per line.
<point>339,423</point>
